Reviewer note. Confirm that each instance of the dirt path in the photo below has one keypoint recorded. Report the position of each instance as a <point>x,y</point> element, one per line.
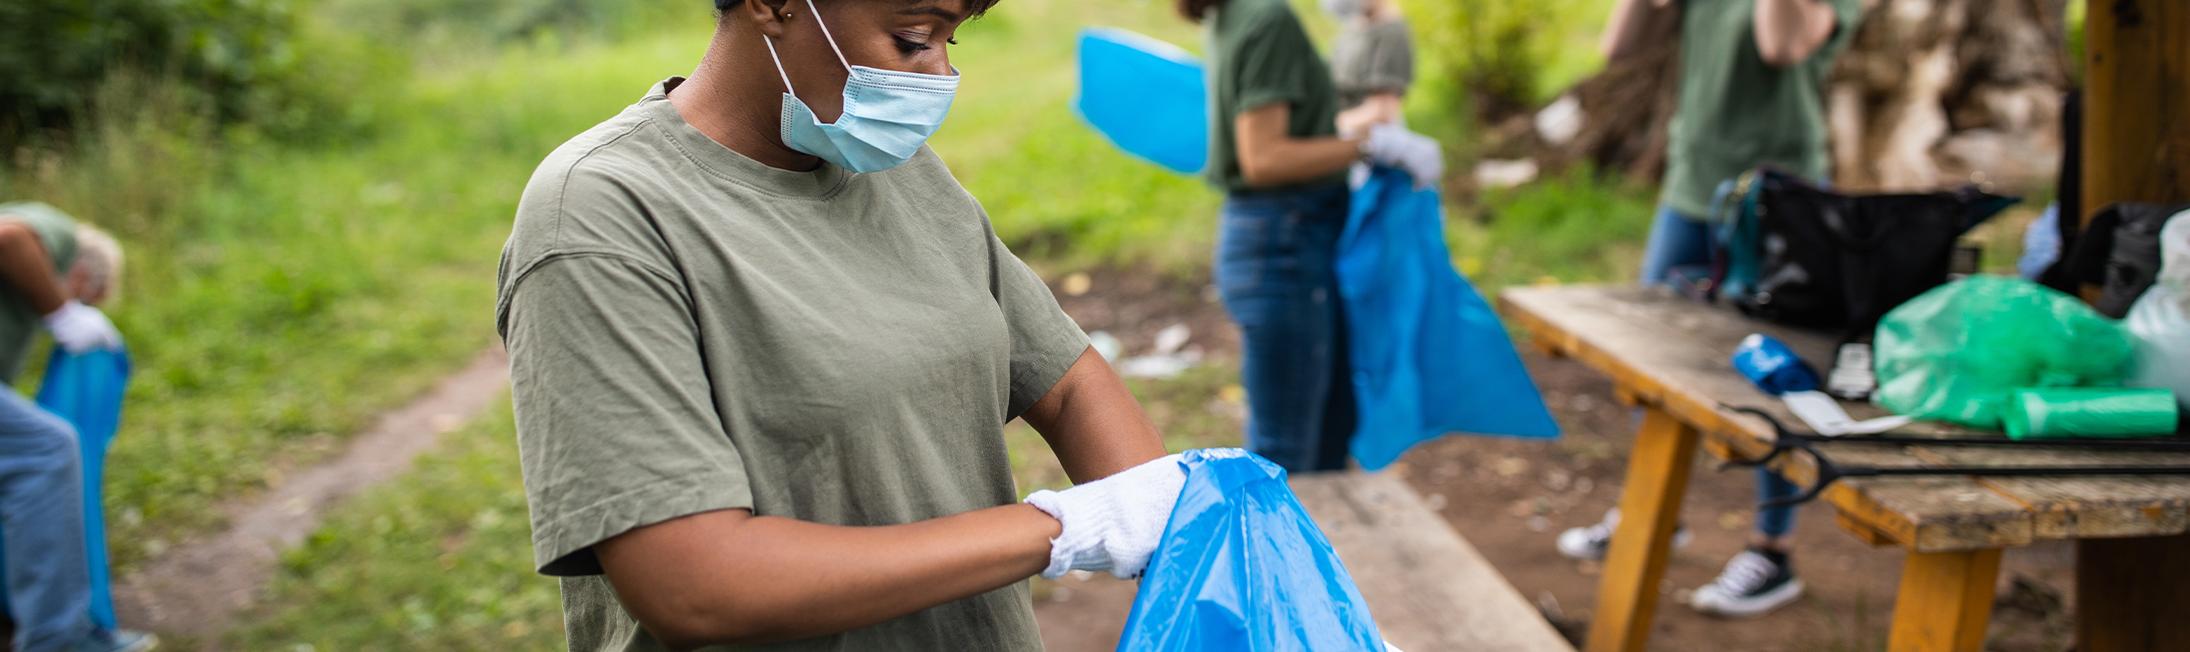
<point>201,585</point>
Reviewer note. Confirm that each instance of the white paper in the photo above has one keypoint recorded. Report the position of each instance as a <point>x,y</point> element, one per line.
<point>1824,415</point>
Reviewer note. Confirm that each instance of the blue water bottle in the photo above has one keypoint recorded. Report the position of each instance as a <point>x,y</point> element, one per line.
<point>1772,366</point>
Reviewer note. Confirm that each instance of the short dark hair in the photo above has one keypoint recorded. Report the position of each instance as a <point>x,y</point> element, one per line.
<point>1196,10</point>
<point>977,7</point>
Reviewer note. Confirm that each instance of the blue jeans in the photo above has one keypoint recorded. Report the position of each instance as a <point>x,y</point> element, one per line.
<point>1275,272</point>
<point>42,512</point>
<point>1680,241</point>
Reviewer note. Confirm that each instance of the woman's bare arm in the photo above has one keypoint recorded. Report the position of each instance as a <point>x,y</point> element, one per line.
<point>1269,157</point>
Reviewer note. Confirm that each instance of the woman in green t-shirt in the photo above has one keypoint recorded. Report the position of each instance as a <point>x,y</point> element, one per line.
<point>1278,151</point>
<point>1751,76</point>
<point>763,347</point>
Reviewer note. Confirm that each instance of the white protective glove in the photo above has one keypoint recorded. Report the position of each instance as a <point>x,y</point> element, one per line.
<point>1112,524</point>
<point>1395,146</point>
<point>79,328</point>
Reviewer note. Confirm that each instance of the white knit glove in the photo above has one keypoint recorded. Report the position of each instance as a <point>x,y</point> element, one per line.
<point>1112,524</point>
<point>1419,155</point>
<point>79,328</point>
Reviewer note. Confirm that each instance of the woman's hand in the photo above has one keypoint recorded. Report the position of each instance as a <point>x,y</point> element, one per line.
<point>1115,523</point>
<point>1419,155</point>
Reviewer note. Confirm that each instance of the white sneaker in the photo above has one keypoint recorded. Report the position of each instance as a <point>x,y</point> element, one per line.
<point>1589,542</point>
<point>1753,584</point>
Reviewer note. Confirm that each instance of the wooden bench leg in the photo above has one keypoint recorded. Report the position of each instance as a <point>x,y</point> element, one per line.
<point>2133,594</point>
<point>1945,601</point>
<point>1650,508</point>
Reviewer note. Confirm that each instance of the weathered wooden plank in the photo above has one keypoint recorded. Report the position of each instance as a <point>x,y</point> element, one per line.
<point>1428,588</point>
<point>2075,508</point>
<point>1945,601</point>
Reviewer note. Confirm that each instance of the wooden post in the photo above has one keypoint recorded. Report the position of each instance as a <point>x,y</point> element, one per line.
<point>2136,102</point>
<point>2131,593</point>
<point>1650,510</point>
<point>1945,601</point>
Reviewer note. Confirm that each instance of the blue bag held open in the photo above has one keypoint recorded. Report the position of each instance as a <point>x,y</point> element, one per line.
<point>1429,355</point>
<point>1146,96</point>
<point>1242,568</point>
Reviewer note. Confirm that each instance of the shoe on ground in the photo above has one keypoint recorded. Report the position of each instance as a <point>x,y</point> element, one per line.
<point>120,640</point>
<point>1589,542</point>
<point>1754,583</point>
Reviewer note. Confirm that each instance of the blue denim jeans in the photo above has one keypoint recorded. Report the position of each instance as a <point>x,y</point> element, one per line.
<point>1275,272</point>
<point>42,513</point>
<point>1684,241</point>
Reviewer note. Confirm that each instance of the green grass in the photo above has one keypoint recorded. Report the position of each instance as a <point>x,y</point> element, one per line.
<point>280,294</point>
<point>442,559</point>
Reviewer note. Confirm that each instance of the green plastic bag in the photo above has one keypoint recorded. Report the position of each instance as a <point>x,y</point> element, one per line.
<point>1959,352</point>
<point>2061,412</point>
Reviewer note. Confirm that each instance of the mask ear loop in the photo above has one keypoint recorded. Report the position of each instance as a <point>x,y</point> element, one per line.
<point>779,65</point>
<point>826,37</point>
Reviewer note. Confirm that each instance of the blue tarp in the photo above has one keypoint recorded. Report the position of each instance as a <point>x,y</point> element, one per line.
<point>1243,568</point>
<point>1429,355</point>
<point>85,389</point>
<point>1146,96</point>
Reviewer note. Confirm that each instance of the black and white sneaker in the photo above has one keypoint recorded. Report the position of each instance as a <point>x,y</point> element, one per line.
<point>1754,583</point>
<point>1589,542</point>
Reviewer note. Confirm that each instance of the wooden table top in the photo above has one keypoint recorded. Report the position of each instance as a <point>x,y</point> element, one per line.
<point>1674,354</point>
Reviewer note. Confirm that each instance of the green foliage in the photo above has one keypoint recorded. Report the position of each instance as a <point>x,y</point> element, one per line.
<point>1498,57</point>
<point>1577,227</point>
<point>236,57</point>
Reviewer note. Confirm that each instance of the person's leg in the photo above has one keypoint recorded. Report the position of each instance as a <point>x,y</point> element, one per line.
<point>1774,523</point>
<point>1336,431</point>
<point>1260,276</point>
<point>42,511</point>
<point>1675,241</point>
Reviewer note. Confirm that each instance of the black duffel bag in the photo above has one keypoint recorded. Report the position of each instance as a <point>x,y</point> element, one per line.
<point>1828,261</point>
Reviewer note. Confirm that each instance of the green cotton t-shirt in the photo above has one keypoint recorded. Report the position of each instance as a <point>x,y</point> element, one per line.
<point>19,323</point>
<point>1370,58</point>
<point>1736,113</point>
<point>690,330</point>
<point>1259,55</point>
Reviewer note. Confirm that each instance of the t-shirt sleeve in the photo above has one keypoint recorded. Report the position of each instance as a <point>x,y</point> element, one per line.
<point>1276,63</point>
<point>1847,17</point>
<point>55,231</point>
<point>616,428</point>
<point>1044,341</point>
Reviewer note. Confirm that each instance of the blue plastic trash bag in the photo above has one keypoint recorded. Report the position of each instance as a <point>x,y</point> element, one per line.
<point>1243,569</point>
<point>85,389</point>
<point>1429,354</point>
<point>1146,96</point>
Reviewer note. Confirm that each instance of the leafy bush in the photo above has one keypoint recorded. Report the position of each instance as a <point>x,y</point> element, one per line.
<point>236,56</point>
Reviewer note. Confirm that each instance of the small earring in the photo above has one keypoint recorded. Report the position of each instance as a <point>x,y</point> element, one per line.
<point>786,14</point>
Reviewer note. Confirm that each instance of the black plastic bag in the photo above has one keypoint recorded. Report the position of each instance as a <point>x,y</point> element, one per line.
<point>1828,261</point>
<point>2119,252</point>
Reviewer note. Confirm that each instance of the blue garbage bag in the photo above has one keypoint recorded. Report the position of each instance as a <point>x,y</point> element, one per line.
<point>85,389</point>
<point>1146,96</point>
<point>1429,354</point>
<point>1243,568</point>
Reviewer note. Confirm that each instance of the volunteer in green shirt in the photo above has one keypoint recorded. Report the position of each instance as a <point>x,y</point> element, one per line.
<point>1277,150</point>
<point>1751,77</point>
<point>53,270</point>
<point>762,349</point>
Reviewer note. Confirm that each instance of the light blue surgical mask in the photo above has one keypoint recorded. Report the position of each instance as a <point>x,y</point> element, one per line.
<point>887,116</point>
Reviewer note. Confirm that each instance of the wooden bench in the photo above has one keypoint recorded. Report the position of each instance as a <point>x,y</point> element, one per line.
<point>1429,589</point>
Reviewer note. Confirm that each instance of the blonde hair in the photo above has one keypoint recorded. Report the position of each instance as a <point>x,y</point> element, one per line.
<point>99,259</point>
